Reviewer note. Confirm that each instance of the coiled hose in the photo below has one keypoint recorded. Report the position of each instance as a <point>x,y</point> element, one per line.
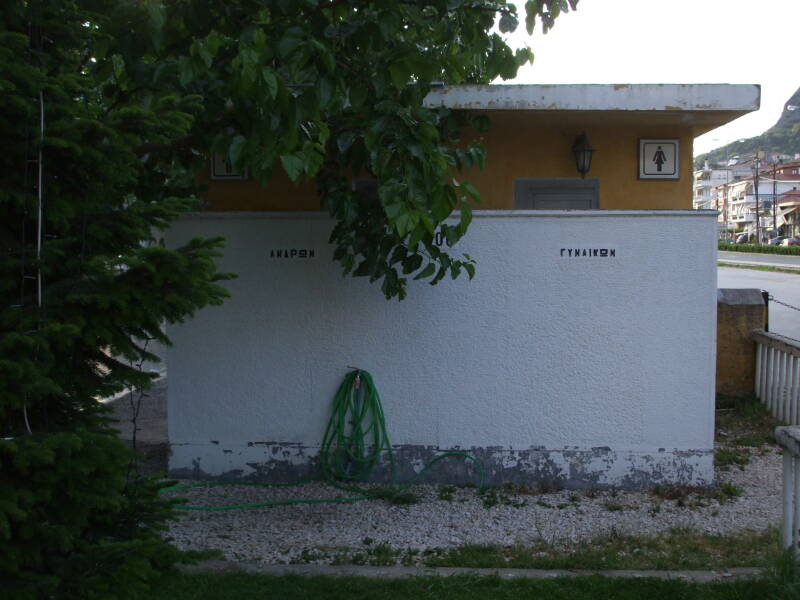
<point>351,449</point>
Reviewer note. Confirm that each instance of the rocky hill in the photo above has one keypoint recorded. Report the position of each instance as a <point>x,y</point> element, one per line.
<point>783,137</point>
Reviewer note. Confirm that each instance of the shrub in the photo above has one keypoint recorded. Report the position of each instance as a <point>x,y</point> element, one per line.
<point>73,525</point>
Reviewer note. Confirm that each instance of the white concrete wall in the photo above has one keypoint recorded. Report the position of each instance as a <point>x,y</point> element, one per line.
<point>604,364</point>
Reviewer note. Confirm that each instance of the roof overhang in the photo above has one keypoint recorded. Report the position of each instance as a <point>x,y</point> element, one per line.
<point>702,107</point>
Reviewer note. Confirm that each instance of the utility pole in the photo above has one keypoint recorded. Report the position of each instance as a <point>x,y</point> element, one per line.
<point>774,197</point>
<point>757,163</point>
<point>726,196</point>
<point>758,216</point>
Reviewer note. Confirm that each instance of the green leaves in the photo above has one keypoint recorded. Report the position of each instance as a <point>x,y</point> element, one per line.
<point>547,10</point>
<point>531,11</point>
<point>429,270</point>
<point>508,22</point>
<point>523,56</point>
<point>236,149</point>
<point>271,82</point>
<point>326,92</point>
<point>290,41</point>
<point>400,74</point>
<point>294,166</point>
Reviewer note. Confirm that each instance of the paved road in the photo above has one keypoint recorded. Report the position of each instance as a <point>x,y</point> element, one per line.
<point>778,260</point>
<point>783,286</point>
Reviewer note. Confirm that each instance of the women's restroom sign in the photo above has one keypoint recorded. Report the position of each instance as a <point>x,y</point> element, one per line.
<point>658,159</point>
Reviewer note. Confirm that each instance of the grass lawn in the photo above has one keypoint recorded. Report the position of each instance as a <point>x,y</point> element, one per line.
<point>234,586</point>
<point>677,549</point>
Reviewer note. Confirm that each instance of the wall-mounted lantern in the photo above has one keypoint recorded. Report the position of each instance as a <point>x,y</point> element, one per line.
<point>583,154</point>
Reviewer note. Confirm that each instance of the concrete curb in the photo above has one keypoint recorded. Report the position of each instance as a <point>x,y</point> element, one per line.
<point>743,263</point>
<point>396,572</point>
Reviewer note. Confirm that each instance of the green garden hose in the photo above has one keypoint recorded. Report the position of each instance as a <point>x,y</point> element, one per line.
<point>351,449</point>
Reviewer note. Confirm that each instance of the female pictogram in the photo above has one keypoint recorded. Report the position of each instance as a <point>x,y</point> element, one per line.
<point>659,158</point>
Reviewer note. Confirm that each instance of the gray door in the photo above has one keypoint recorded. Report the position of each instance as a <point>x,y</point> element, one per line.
<point>565,193</point>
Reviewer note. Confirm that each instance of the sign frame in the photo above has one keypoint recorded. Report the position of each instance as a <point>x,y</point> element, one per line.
<point>217,173</point>
<point>668,147</point>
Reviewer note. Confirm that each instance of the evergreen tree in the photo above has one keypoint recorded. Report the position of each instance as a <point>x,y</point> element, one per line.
<point>81,290</point>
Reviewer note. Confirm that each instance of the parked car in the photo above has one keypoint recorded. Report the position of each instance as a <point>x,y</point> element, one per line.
<point>791,242</point>
<point>776,241</point>
<point>741,238</point>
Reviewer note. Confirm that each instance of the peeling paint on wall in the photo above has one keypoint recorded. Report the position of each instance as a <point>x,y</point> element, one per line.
<point>572,469</point>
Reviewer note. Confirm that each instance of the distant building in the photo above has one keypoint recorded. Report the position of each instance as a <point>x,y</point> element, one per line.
<point>789,212</point>
<point>711,187</point>
<point>705,180</point>
<point>740,206</point>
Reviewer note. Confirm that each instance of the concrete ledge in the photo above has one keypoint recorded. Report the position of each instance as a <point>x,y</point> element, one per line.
<point>224,566</point>
<point>736,296</point>
<point>667,97</point>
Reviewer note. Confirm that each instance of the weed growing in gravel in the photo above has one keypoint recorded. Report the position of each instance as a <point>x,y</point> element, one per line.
<point>613,506</point>
<point>493,496</point>
<point>744,422</point>
<point>380,555</point>
<point>754,440</point>
<point>686,496</point>
<point>393,497</point>
<point>727,491</point>
<point>725,458</point>
<point>446,493</point>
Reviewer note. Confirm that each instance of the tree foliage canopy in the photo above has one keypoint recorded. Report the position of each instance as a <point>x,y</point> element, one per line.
<point>327,90</point>
<point>108,111</point>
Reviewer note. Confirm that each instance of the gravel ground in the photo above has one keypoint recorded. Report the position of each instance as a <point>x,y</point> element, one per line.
<point>287,533</point>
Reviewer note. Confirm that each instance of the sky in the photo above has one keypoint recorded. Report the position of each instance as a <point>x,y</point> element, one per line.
<point>676,41</point>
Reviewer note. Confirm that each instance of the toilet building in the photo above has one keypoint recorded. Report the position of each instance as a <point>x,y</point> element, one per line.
<point>582,353</point>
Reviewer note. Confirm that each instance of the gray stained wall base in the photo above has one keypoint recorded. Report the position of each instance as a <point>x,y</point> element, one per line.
<point>569,468</point>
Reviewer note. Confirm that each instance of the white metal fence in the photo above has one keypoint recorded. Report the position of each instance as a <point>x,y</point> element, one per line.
<point>778,375</point>
<point>789,439</point>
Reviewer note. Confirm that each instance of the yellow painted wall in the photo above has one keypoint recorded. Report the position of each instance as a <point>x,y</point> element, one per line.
<point>521,144</point>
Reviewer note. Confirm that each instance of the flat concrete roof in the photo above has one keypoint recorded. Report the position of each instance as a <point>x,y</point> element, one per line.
<point>701,106</point>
